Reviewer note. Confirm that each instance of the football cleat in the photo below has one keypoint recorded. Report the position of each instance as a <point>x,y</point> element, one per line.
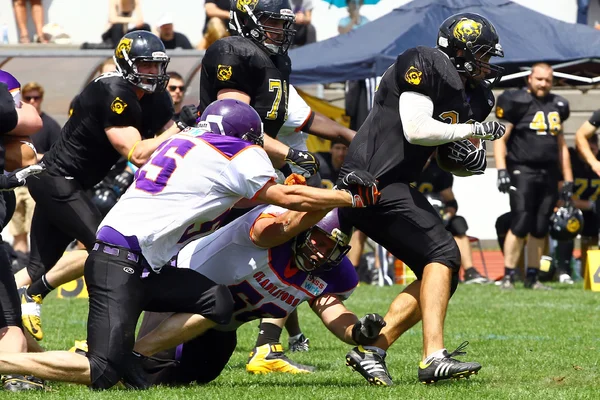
<point>31,310</point>
<point>80,347</point>
<point>565,278</point>
<point>473,276</point>
<point>18,383</point>
<point>270,358</point>
<point>370,364</point>
<point>447,367</point>
<point>300,344</point>
<point>507,283</point>
<point>535,285</point>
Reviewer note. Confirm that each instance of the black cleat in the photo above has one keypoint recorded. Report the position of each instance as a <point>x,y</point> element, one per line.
<point>18,383</point>
<point>300,344</point>
<point>370,364</point>
<point>447,367</point>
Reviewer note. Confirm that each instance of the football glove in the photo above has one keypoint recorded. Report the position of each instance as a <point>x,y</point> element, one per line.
<point>187,116</point>
<point>503,181</point>
<point>362,186</point>
<point>472,158</point>
<point>19,176</point>
<point>367,329</point>
<point>122,182</point>
<point>295,179</point>
<point>567,191</point>
<point>303,159</point>
<point>491,130</point>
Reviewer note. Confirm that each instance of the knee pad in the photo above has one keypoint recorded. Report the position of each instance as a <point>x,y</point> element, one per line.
<point>457,226</point>
<point>221,309</point>
<point>521,223</point>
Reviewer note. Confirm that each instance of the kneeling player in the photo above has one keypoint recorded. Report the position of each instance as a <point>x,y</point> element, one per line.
<point>271,260</point>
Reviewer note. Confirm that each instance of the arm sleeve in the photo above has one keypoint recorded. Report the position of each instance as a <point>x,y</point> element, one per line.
<point>298,111</point>
<point>120,107</point>
<point>416,114</point>
<point>227,70</point>
<point>248,172</point>
<point>595,118</point>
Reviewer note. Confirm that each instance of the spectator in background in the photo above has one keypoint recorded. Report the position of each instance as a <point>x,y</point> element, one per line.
<point>582,11</point>
<point>354,19</point>
<point>123,16</point>
<point>215,29</point>
<point>170,38</point>
<point>176,88</point>
<point>20,225</point>
<point>216,9</point>
<point>331,163</point>
<point>37,14</point>
<point>305,31</point>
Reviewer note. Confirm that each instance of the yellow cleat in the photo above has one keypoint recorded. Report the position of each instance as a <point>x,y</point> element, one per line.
<point>31,310</point>
<point>80,347</point>
<point>270,358</point>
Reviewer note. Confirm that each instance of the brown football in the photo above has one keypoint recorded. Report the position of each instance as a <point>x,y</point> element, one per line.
<point>447,163</point>
<point>19,152</point>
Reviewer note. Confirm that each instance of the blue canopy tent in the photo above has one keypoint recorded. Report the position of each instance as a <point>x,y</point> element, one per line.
<point>526,36</point>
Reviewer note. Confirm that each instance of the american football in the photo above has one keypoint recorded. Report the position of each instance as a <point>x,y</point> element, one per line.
<point>20,152</point>
<point>448,162</point>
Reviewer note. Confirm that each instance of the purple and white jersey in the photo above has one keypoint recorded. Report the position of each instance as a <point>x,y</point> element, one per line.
<point>262,281</point>
<point>185,190</point>
<point>14,87</point>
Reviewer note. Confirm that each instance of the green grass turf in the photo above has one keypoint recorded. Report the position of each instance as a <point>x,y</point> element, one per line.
<point>532,345</point>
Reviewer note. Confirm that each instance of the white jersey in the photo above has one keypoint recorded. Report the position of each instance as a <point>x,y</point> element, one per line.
<point>184,191</point>
<point>262,281</point>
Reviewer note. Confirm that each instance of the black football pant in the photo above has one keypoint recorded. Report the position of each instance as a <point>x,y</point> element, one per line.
<point>10,305</point>
<point>532,201</point>
<point>200,360</point>
<point>63,212</point>
<point>405,223</point>
<point>119,292</point>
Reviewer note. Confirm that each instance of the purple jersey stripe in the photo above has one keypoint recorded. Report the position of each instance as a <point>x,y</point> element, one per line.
<point>228,145</point>
<point>110,235</point>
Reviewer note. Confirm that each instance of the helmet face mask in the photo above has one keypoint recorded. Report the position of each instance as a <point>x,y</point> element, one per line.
<point>470,40</point>
<point>134,56</point>
<point>231,117</point>
<point>269,23</point>
<point>322,247</point>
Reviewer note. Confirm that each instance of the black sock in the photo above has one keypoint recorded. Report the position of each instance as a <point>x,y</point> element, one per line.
<point>532,274</point>
<point>510,272</point>
<point>268,333</point>
<point>41,287</point>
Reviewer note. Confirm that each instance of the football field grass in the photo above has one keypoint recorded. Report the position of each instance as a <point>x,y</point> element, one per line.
<point>532,345</point>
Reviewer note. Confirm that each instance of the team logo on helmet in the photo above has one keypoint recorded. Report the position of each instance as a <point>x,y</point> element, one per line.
<point>117,106</point>
<point>499,112</point>
<point>242,3</point>
<point>467,30</point>
<point>573,225</point>
<point>224,72</point>
<point>123,46</point>
<point>413,76</point>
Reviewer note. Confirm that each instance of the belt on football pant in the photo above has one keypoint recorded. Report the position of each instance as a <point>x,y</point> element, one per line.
<point>119,252</point>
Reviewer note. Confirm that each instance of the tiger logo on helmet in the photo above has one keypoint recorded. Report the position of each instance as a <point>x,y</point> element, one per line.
<point>467,30</point>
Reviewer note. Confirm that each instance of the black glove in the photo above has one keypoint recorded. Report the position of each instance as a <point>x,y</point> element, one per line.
<point>503,182</point>
<point>187,116</point>
<point>19,176</point>
<point>367,329</point>
<point>303,159</point>
<point>491,130</point>
<point>122,182</point>
<point>467,154</point>
<point>362,186</point>
<point>567,191</point>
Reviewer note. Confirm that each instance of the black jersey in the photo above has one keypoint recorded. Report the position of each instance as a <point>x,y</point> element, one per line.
<point>433,179</point>
<point>380,146</point>
<point>83,150</point>
<point>537,123</point>
<point>587,183</point>
<point>239,63</point>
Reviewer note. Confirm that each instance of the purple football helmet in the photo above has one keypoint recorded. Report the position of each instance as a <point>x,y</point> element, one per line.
<point>231,117</point>
<point>309,245</point>
<point>14,87</point>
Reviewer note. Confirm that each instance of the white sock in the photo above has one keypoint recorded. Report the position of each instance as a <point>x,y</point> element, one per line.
<point>437,354</point>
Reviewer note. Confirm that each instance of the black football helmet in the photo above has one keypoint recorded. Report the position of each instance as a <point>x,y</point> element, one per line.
<point>477,38</point>
<point>142,46</point>
<point>249,18</point>
<point>566,223</point>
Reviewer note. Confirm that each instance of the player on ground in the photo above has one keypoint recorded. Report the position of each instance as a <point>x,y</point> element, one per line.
<point>188,186</point>
<point>428,97</point>
<point>279,260</point>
